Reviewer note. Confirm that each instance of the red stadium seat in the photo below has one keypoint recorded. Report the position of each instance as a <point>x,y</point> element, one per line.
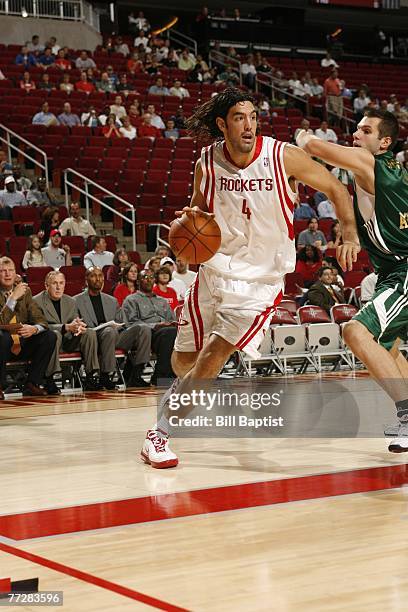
<point>37,275</point>
<point>312,314</point>
<point>281,316</point>
<point>341,313</point>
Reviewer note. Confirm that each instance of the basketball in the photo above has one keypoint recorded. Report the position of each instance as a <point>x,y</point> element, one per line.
<point>194,238</point>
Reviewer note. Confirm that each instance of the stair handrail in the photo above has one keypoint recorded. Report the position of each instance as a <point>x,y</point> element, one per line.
<point>10,145</point>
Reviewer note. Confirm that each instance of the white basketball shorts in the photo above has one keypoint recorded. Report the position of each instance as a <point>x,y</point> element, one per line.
<point>238,311</point>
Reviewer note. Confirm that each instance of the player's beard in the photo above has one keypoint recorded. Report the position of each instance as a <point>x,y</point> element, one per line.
<point>243,146</point>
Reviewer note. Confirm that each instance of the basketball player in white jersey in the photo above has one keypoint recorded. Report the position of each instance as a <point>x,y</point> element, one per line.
<point>248,183</point>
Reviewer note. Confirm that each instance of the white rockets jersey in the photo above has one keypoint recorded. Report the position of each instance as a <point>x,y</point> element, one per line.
<point>254,208</point>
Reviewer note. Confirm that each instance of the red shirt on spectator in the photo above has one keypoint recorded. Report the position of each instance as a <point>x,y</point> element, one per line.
<point>121,292</point>
<point>63,63</point>
<point>308,269</point>
<point>170,295</point>
<point>84,86</point>
<point>148,130</point>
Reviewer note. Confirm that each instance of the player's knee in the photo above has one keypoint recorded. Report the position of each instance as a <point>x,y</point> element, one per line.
<point>352,332</point>
<point>182,363</point>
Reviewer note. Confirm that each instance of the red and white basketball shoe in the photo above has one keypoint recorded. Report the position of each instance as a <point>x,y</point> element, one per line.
<point>156,451</point>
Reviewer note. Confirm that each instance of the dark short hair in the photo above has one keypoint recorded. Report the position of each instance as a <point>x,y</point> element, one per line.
<point>322,270</point>
<point>162,270</point>
<point>96,240</point>
<point>388,125</point>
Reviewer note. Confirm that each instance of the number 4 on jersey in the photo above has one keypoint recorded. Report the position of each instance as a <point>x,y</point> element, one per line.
<point>245,210</point>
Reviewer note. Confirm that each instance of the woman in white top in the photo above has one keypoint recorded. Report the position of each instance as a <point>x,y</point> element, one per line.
<point>33,257</point>
<point>127,130</point>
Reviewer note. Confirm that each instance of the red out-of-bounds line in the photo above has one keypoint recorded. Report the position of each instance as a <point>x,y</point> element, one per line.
<point>85,577</point>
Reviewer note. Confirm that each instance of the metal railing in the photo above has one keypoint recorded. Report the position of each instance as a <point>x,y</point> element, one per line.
<point>217,57</point>
<point>6,139</point>
<point>71,10</point>
<point>90,196</point>
<point>178,38</point>
<point>160,241</point>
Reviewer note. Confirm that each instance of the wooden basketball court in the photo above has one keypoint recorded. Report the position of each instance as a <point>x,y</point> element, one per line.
<point>283,524</point>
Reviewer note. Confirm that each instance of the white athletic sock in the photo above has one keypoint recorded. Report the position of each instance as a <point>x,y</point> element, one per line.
<point>163,424</point>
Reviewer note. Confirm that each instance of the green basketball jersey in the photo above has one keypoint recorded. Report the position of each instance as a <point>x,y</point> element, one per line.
<point>385,234</point>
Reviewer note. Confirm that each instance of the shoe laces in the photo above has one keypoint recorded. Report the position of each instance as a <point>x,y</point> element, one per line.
<point>158,440</point>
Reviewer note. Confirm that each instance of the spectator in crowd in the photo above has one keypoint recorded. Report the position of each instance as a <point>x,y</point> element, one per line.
<point>163,52</point>
<point>45,84</point>
<point>402,156</point>
<point>325,210</point>
<point>368,287</point>
<point>140,22</point>
<point>54,254</point>
<point>128,282</point>
<point>134,64</point>
<point>328,62</point>
<point>62,62</point>
<point>61,313</point>
<point>127,130</point>
<point>161,288</point>
<point>110,130</point>
<point>228,76</point>
<point>118,109</point>
<point>334,100</point>
<point>153,264</point>
<point>90,73</point>
<point>187,61</point>
<point>134,114</point>
<point>316,89</point>
<point>67,117</point>
<point>304,125</point>
<point>90,118</point>
<point>5,167</point>
<point>248,71</point>
<point>156,120</point>
<point>174,283</point>
<point>124,87</point>
<point>41,196</point>
<point>326,133</point>
<point>75,224</point>
<point>121,47</point>
<point>158,89</point>
<point>147,129</point>
<point>46,59</point>
<point>172,60</point>
<point>32,340</point>
<point>178,90</point>
<point>303,210</point>
<point>345,91</point>
<point>120,260</point>
<point>66,84</point>
<point>103,117</point>
<point>152,65</point>
<point>335,236</point>
<point>391,103</point>
<point>26,82</point>
<point>312,235</point>
<point>50,220</point>
<point>344,176</point>
<point>84,84</point>
<point>9,198</point>
<point>83,62</point>
<point>52,44</point>
<point>360,103</point>
<point>45,117</point>
<point>401,115</point>
<point>105,84</point>
<point>112,75</point>
<point>96,308</point>
<point>33,257</point>
<point>337,279</point>
<point>25,58</point>
<point>22,182</point>
<point>183,274</point>
<point>147,308</point>
<point>308,264</point>
<point>142,39</point>
<point>99,256</point>
<point>171,131</point>
<point>35,46</point>
<point>322,293</point>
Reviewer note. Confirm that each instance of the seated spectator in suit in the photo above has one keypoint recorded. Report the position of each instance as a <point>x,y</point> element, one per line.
<point>49,220</point>
<point>308,264</point>
<point>75,224</point>
<point>312,235</point>
<point>33,257</point>
<point>56,256</point>
<point>128,283</point>
<point>162,288</point>
<point>40,195</point>
<point>44,117</point>
<point>147,308</point>
<point>120,260</point>
<point>32,340</point>
<point>322,293</point>
<point>72,334</point>
<point>96,308</point>
<point>10,197</point>
<point>99,256</point>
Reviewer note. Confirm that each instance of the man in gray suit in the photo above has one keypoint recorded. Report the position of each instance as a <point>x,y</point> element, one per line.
<point>96,308</point>
<point>61,314</point>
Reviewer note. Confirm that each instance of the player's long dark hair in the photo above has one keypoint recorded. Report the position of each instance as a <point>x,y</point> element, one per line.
<point>202,124</point>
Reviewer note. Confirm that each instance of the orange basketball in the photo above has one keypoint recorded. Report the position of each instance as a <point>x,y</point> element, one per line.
<point>195,239</point>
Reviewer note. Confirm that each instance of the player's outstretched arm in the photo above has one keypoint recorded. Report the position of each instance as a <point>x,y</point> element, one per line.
<point>358,160</point>
<point>198,205</point>
<point>303,168</point>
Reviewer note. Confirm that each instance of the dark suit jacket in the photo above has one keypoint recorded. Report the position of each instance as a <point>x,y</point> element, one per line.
<point>319,296</point>
<point>110,307</point>
<point>26,311</point>
<point>68,310</point>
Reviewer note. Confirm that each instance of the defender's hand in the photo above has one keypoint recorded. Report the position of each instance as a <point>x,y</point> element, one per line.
<point>347,255</point>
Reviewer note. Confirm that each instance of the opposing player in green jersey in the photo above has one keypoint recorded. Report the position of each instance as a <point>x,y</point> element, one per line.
<point>381,212</point>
